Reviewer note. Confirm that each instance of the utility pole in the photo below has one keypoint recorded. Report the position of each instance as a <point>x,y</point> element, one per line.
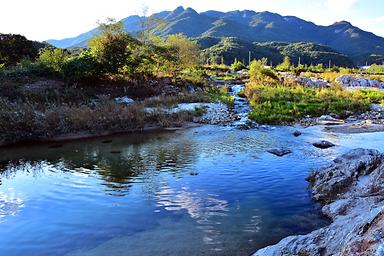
<point>329,66</point>
<point>299,61</point>
<point>249,58</point>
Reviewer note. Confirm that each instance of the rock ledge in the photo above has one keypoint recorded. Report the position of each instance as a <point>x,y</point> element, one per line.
<point>352,193</point>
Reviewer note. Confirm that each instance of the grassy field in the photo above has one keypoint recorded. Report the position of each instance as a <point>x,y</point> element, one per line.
<point>283,104</point>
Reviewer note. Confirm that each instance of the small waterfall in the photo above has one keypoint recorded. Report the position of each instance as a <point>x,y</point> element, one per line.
<point>241,107</point>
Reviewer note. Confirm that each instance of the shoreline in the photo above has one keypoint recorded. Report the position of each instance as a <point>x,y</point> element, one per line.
<point>351,194</point>
<point>90,135</point>
<point>345,128</point>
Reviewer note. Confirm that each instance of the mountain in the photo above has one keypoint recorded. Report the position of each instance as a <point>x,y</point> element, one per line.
<point>230,48</point>
<point>256,27</point>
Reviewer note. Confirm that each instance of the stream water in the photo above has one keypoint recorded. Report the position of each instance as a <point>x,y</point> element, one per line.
<point>209,190</point>
<point>204,191</point>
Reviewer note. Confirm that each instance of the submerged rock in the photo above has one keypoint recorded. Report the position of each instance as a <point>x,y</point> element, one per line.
<point>296,133</point>
<point>352,193</point>
<point>279,151</point>
<point>323,144</point>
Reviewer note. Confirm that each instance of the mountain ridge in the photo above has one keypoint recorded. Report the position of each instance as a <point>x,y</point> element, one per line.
<point>254,27</point>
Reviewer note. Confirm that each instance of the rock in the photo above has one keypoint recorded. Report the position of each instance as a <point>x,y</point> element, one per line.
<point>329,120</point>
<point>351,190</point>
<point>170,90</point>
<point>124,100</point>
<point>296,133</point>
<point>350,81</point>
<point>377,108</point>
<point>279,151</point>
<point>308,82</point>
<point>190,88</point>
<point>323,144</point>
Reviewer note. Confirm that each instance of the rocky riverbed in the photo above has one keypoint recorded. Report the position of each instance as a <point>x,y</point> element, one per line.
<point>351,190</point>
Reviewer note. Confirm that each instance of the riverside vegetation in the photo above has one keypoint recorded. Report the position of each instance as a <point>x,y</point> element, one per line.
<point>48,92</point>
<point>275,101</point>
<point>51,92</point>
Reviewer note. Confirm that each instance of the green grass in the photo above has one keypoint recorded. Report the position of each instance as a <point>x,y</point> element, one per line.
<point>222,94</point>
<point>282,104</point>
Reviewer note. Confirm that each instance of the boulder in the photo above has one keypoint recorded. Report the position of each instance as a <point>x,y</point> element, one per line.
<point>323,144</point>
<point>351,190</point>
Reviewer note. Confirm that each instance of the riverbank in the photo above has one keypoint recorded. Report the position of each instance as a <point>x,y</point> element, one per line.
<point>351,191</point>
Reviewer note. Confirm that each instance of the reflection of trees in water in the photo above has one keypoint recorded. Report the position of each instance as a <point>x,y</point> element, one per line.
<point>35,168</point>
<point>140,159</point>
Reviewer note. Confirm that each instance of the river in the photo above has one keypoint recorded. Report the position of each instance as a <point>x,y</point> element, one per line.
<point>210,190</point>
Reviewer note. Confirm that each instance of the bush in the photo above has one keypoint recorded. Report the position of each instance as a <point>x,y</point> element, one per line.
<point>82,66</point>
<point>112,46</point>
<point>258,73</point>
<point>286,65</point>
<point>238,65</point>
<point>376,69</point>
<point>53,58</point>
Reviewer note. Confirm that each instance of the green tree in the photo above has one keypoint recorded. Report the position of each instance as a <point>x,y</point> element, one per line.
<point>82,66</point>
<point>258,72</point>
<point>286,65</point>
<point>186,51</point>
<point>112,46</point>
<point>53,58</point>
<point>237,65</point>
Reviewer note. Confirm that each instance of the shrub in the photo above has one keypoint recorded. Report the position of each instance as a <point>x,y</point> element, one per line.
<point>258,73</point>
<point>82,66</point>
<point>286,65</point>
<point>53,58</point>
<point>376,69</point>
<point>238,65</point>
<point>112,46</point>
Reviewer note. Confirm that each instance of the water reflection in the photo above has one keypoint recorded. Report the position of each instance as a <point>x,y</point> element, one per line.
<point>10,204</point>
<point>210,190</point>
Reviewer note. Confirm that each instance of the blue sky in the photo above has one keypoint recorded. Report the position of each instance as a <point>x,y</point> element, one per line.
<point>46,19</point>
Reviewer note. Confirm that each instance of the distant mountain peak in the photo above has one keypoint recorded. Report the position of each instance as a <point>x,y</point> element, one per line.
<point>251,26</point>
<point>342,23</point>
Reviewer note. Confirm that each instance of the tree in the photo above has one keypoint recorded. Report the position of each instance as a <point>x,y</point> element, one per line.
<point>149,25</point>
<point>286,65</point>
<point>82,66</point>
<point>258,72</point>
<point>237,65</point>
<point>112,46</point>
<point>186,51</point>
<point>53,58</point>
<point>14,48</point>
